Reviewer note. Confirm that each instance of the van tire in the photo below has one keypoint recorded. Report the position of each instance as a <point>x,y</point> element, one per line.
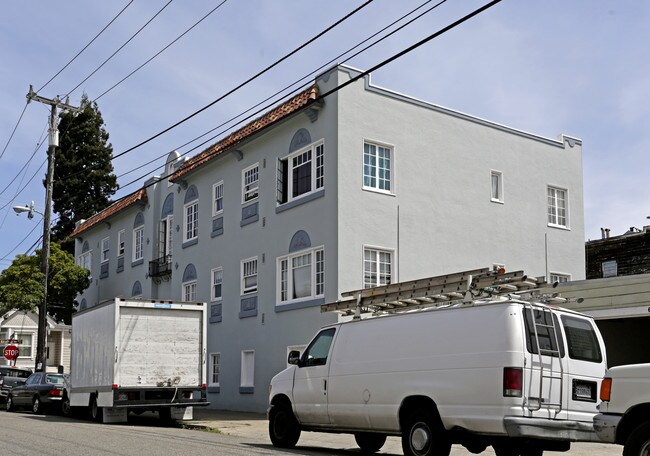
<point>284,429</point>
<point>638,442</point>
<point>369,442</point>
<point>422,435</point>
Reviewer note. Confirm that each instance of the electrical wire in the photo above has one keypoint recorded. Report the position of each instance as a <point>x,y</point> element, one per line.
<point>38,146</point>
<point>161,51</point>
<point>120,48</point>
<point>85,47</point>
<point>21,242</point>
<point>4,149</point>
<point>276,63</point>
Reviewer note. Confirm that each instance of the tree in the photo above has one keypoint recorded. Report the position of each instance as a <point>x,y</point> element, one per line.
<point>83,172</point>
<point>21,284</point>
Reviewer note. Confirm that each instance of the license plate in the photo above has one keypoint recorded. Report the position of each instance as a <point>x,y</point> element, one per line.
<point>584,390</point>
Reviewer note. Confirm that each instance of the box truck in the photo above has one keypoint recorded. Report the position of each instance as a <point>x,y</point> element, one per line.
<point>139,355</point>
<point>464,358</point>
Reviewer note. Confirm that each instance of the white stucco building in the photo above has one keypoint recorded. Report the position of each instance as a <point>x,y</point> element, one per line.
<point>323,195</point>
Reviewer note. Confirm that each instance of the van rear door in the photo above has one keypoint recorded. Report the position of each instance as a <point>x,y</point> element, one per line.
<point>310,380</point>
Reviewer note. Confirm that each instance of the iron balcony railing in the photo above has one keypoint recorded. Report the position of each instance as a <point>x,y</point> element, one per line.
<point>161,267</point>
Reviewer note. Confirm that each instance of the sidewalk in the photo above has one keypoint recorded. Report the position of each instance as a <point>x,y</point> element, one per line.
<point>244,424</point>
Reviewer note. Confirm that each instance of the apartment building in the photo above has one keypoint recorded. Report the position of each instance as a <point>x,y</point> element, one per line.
<point>322,195</point>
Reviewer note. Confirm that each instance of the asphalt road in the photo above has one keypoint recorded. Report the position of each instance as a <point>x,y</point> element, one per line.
<point>25,434</point>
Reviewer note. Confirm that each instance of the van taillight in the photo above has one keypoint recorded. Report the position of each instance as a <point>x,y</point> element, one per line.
<point>512,381</point>
<point>606,389</point>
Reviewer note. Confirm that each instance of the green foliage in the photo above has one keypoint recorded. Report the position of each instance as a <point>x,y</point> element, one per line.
<point>21,284</point>
<point>83,172</point>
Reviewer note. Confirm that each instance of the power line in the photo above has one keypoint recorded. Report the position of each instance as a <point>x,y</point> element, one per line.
<point>20,243</point>
<point>25,186</point>
<point>161,51</point>
<point>14,130</point>
<point>277,62</point>
<point>86,46</point>
<point>120,48</point>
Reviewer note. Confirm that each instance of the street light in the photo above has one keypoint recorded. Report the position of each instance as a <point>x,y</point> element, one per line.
<point>45,255</point>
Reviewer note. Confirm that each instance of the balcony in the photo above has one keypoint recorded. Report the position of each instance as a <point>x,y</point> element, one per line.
<point>161,267</point>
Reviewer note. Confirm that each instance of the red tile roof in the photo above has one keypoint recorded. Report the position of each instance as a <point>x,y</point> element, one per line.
<point>278,113</point>
<point>139,196</point>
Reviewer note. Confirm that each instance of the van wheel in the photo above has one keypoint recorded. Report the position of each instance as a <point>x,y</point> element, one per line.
<point>369,442</point>
<point>638,442</point>
<point>96,412</point>
<point>284,429</point>
<point>422,435</point>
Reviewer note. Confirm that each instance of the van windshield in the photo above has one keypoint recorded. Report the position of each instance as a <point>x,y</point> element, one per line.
<point>582,340</point>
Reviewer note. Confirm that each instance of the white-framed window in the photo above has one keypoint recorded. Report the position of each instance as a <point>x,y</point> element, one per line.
<point>85,260</point>
<point>247,368</point>
<point>189,291</point>
<point>191,222</point>
<point>301,276</point>
<point>496,186</point>
<point>301,172</point>
<point>377,267</point>
<point>106,246</point>
<point>558,211</point>
<point>559,277</point>
<point>249,276</point>
<point>377,167</point>
<point>217,284</point>
<point>121,235</point>
<point>215,368</point>
<point>165,236</point>
<point>217,198</point>
<point>250,183</point>
<point>138,243</point>
<point>26,348</point>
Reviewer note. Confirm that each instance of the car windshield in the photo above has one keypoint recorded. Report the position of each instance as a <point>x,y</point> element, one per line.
<point>56,379</point>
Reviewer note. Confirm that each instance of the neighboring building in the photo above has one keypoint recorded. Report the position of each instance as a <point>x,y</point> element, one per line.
<point>623,255</point>
<point>321,196</point>
<point>23,326</point>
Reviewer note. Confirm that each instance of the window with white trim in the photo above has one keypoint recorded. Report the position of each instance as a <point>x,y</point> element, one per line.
<point>84,260</point>
<point>301,276</point>
<point>217,284</point>
<point>189,291</point>
<point>215,368</point>
<point>560,278</point>
<point>138,243</point>
<point>301,173</point>
<point>120,242</point>
<point>377,167</point>
<point>557,207</point>
<point>247,368</point>
<point>191,221</point>
<point>496,186</point>
<point>217,198</point>
<point>377,267</point>
<point>249,276</point>
<point>250,182</point>
<point>106,245</point>
<point>165,236</point>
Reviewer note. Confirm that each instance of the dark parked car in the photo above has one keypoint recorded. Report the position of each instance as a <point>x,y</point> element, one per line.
<point>41,390</point>
<point>11,376</point>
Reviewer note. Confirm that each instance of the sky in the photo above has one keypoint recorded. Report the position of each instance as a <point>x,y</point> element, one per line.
<point>548,67</point>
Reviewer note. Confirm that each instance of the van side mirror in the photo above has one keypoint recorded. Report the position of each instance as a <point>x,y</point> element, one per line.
<point>294,357</point>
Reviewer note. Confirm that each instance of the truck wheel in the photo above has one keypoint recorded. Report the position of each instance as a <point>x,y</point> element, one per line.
<point>9,405</point>
<point>638,442</point>
<point>37,406</point>
<point>369,442</point>
<point>284,429</point>
<point>423,436</point>
<point>165,415</point>
<point>96,412</point>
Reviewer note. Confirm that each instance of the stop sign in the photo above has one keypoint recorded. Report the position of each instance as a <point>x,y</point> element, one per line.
<point>10,352</point>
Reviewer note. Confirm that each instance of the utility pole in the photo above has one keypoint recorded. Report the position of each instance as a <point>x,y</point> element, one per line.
<point>45,253</point>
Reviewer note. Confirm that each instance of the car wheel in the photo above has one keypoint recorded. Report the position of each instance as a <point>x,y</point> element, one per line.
<point>284,429</point>
<point>638,442</point>
<point>65,405</point>
<point>369,442</point>
<point>37,405</point>
<point>422,435</point>
<point>9,405</point>
<point>96,412</point>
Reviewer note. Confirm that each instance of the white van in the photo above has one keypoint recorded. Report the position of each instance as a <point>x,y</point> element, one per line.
<point>520,376</point>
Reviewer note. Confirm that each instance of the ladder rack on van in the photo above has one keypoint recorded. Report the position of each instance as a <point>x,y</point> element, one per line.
<point>462,287</point>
